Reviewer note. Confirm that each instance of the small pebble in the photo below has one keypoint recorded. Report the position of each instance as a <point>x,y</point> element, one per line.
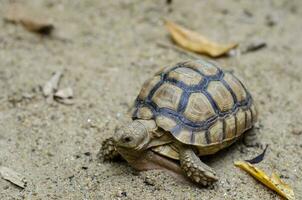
<point>272,20</point>
<point>296,131</point>
<point>120,193</point>
<point>248,13</point>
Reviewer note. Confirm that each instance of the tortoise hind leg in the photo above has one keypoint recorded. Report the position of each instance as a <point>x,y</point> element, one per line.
<point>108,151</point>
<point>250,138</point>
<point>195,169</point>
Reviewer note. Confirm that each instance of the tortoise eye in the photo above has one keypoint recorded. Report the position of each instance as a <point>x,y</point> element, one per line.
<point>127,139</point>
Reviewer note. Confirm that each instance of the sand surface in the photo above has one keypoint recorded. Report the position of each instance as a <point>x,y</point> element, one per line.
<point>107,49</point>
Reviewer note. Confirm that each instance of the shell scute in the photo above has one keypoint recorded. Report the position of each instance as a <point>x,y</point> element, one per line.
<point>164,69</point>
<point>199,108</point>
<point>254,113</point>
<point>148,86</point>
<point>186,75</point>
<point>230,126</point>
<point>236,86</point>
<point>221,95</point>
<point>240,121</point>
<point>248,119</point>
<point>206,68</point>
<point>216,132</point>
<point>200,138</point>
<point>167,96</point>
<point>184,135</point>
<point>144,113</point>
<point>165,122</point>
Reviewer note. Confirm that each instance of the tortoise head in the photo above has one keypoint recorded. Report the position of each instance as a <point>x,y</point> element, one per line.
<point>135,136</point>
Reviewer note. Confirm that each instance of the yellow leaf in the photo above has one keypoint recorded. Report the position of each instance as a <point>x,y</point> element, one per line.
<point>285,188</point>
<point>195,42</point>
<point>274,182</point>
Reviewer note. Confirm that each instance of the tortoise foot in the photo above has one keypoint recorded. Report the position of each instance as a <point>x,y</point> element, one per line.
<point>108,151</point>
<point>195,169</point>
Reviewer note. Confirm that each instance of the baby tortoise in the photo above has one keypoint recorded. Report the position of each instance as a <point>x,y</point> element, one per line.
<point>187,110</point>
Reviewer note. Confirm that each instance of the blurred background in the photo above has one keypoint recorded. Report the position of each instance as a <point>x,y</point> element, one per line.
<point>104,51</point>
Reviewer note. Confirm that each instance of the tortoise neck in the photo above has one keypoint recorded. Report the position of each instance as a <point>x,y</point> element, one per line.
<point>131,156</point>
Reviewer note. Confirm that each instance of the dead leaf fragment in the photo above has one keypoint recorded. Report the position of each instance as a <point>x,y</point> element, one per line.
<point>65,93</point>
<point>195,42</point>
<point>13,177</point>
<point>51,92</point>
<point>29,19</point>
<point>64,96</point>
<point>52,85</point>
<point>65,101</point>
<point>254,46</point>
<point>36,26</point>
<point>258,158</point>
<point>274,182</point>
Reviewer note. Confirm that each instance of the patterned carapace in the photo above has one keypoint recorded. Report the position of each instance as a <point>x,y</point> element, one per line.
<point>197,102</point>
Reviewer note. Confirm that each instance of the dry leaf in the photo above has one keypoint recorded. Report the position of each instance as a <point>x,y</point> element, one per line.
<point>65,93</point>
<point>51,92</point>
<point>195,42</point>
<point>255,45</point>
<point>13,177</point>
<point>64,96</point>
<point>19,14</point>
<point>52,85</point>
<point>36,26</point>
<point>258,158</point>
<point>65,101</point>
<point>274,183</point>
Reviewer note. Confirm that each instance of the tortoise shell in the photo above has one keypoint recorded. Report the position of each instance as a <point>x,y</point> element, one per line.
<point>198,103</point>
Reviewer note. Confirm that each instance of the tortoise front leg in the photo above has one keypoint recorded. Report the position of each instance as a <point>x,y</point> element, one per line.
<point>108,151</point>
<point>195,169</point>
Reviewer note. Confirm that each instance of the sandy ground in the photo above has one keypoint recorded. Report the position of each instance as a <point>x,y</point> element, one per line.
<point>110,49</point>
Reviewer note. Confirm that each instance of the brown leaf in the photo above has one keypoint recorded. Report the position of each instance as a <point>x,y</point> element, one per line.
<point>19,14</point>
<point>274,183</point>
<point>195,42</point>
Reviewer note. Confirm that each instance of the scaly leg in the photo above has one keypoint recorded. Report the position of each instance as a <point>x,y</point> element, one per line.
<point>108,151</point>
<point>195,169</point>
<point>250,138</point>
